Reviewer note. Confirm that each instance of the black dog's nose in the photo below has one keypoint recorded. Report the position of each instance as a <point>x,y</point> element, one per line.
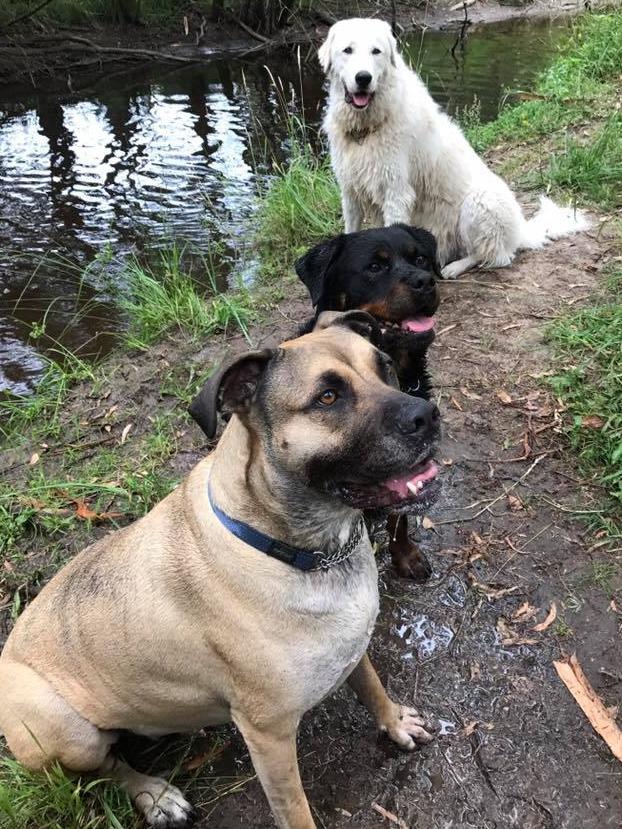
<point>363,79</point>
<point>420,418</point>
<point>423,280</point>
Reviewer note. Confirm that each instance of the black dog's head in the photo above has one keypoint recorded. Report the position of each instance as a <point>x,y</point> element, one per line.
<point>391,273</point>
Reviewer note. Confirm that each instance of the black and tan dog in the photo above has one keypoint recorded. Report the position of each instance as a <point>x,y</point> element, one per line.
<point>248,594</point>
<point>391,272</point>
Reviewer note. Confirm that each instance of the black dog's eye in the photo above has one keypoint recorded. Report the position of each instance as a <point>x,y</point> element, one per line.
<point>348,50</point>
<point>375,267</point>
<point>328,397</point>
<point>421,261</point>
<point>375,51</point>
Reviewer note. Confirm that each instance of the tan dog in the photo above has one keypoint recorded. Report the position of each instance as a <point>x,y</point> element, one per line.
<point>174,623</point>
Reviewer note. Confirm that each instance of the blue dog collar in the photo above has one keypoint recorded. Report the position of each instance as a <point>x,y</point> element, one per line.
<point>298,557</point>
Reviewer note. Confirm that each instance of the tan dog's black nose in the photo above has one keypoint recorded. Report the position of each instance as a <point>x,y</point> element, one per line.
<point>418,418</point>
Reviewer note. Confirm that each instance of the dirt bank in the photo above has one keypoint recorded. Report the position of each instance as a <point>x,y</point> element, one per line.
<point>50,57</point>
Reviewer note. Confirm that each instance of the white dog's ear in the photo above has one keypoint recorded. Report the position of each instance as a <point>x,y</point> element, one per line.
<point>392,48</point>
<point>325,50</point>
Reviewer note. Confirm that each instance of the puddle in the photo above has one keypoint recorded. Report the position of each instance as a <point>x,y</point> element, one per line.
<point>422,637</point>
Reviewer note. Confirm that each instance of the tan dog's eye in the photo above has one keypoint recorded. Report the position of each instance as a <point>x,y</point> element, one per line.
<point>328,397</point>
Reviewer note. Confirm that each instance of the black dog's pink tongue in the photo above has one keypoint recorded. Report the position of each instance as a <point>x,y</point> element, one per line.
<point>361,99</point>
<point>417,324</point>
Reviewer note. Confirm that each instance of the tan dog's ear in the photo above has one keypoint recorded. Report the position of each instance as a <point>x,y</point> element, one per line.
<point>230,389</point>
<point>325,51</point>
<point>360,322</point>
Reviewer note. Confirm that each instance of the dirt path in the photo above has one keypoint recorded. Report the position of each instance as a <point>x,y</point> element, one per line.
<point>532,761</point>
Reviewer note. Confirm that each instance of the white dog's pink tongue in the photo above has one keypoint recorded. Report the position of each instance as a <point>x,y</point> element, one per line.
<point>361,99</point>
<point>417,324</point>
<point>411,484</point>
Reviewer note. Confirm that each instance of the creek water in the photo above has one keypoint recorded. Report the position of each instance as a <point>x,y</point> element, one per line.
<point>145,158</point>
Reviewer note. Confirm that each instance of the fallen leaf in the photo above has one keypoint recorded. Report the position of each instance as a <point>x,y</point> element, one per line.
<point>504,397</point>
<point>125,433</point>
<point>475,670</point>
<point>456,404</point>
<point>510,637</point>
<point>446,329</point>
<point>470,395</point>
<point>513,325</point>
<point>477,538</point>
<point>390,816</point>
<point>205,757</point>
<point>492,593</point>
<point>34,458</point>
<point>592,422</point>
<point>473,725</point>
<point>343,812</point>
<point>515,503</point>
<point>87,514</point>
<point>427,523</point>
<point>585,696</point>
<point>551,616</point>
<point>525,612</point>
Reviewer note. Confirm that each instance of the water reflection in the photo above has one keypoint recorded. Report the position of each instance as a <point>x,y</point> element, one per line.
<point>161,155</point>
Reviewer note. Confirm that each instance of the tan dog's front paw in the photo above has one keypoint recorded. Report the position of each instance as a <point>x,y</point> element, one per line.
<point>163,805</point>
<point>406,728</point>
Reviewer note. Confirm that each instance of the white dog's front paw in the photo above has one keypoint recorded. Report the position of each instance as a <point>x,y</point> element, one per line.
<point>163,805</point>
<point>452,271</point>
<point>406,728</point>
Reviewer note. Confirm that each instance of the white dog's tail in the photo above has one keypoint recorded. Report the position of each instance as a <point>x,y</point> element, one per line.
<point>551,222</point>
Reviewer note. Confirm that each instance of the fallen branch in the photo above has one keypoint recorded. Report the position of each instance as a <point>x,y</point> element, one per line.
<point>389,816</point>
<point>571,674</point>
<point>255,35</point>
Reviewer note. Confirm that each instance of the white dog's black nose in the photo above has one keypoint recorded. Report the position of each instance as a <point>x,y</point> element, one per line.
<point>363,79</point>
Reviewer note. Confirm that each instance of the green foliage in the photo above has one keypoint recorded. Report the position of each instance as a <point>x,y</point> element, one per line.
<point>166,296</point>
<point>589,381</point>
<point>300,206</point>
<point>55,800</point>
<point>593,168</point>
<point>568,90</point>
<point>76,12</point>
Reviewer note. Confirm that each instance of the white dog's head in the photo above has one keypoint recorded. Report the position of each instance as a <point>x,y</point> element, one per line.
<point>358,52</point>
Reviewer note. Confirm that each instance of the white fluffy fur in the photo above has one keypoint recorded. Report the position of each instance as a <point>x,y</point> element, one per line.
<point>403,160</point>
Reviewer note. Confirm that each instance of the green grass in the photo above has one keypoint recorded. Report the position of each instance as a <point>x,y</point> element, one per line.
<point>55,800</point>
<point>592,168</point>
<point>166,297</point>
<point>579,82</point>
<point>300,206</point>
<point>588,348</point>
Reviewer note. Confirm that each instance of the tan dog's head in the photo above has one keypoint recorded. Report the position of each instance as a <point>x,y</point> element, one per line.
<point>326,411</point>
<point>358,53</point>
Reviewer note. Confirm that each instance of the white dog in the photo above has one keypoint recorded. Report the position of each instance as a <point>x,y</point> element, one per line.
<point>398,158</point>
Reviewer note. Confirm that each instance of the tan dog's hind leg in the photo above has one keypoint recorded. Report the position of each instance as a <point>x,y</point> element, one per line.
<point>403,725</point>
<point>41,728</point>
<point>273,751</point>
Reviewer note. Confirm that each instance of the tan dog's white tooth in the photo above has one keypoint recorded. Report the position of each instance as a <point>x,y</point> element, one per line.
<point>414,488</point>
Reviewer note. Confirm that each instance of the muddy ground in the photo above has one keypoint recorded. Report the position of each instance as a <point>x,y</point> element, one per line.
<point>515,752</point>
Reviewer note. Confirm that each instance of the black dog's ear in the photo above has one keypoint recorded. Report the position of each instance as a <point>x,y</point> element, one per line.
<point>427,241</point>
<point>230,389</point>
<point>313,267</point>
<point>360,322</point>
